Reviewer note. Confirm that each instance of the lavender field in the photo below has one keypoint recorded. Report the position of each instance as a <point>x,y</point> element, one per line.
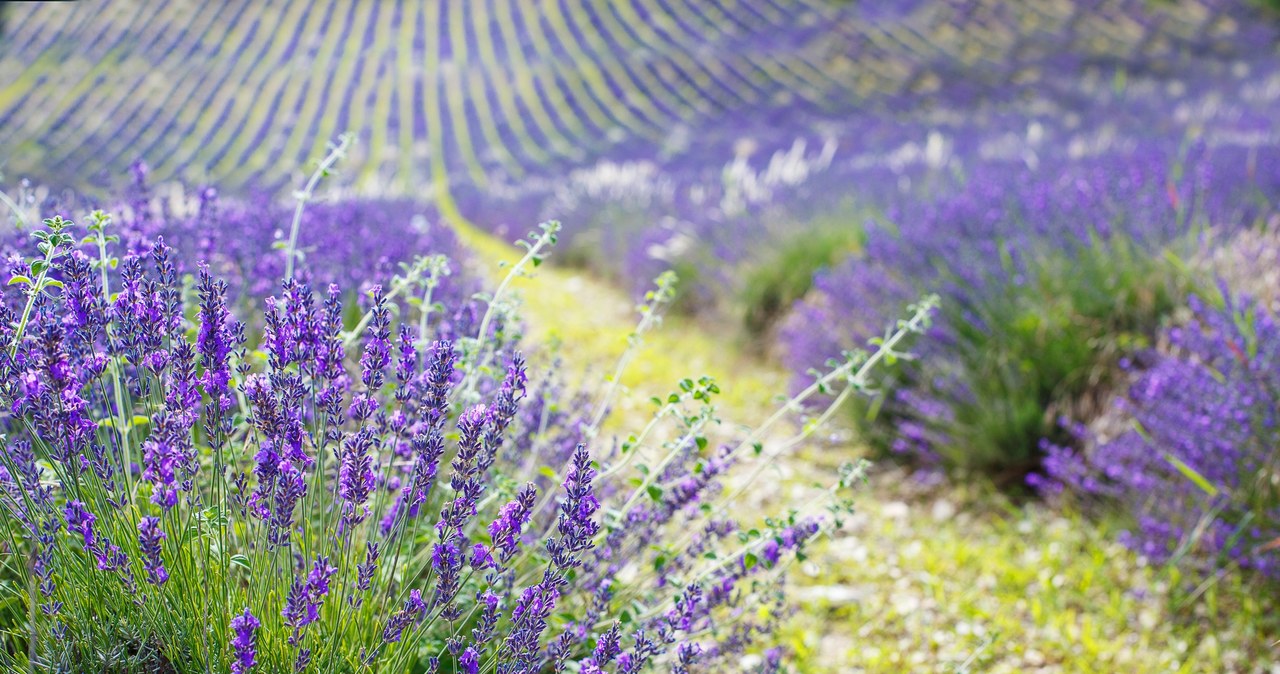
<point>516,336</point>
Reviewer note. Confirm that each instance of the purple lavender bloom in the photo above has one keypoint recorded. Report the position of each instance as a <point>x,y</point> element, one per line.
<point>160,460</point>
<point>296,610</point>
<point>505,530</point>
<point>80,521</point>
<point>503,411</point>
<point>83,296</point>
<point>413,610</point>
<point>469,662</point>
<point>216,337</point>
<point>439,381</point>
<point>576,522</point>
<point>467,484</point>
<point>244,642</point>
<point>365,571</point>
<point>1206,414</point>
<point>577,530</point>
<point>150,538</point>
<point>406,363</point>
<point>377,346</point>
<point>355,476</point>
<point>318,578</point>
<point>302,607</point>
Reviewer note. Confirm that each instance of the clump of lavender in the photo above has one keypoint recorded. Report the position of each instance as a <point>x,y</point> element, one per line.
<point>1198,469</point>
<point>1051,274</point>
<point>283,493</point>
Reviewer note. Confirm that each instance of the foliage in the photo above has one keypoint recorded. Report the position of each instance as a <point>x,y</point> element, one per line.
<point>1051,275</point>
<point>772,286</point>
<point>1197,471</point>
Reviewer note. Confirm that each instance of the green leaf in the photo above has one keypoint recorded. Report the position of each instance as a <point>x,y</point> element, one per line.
<point>749,560</point>
<point>655,492</point>
<point>20,279</point>
<point>1191,474</point>
<point>241,560</point>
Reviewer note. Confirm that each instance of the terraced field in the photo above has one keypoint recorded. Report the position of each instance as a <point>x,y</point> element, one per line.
<point>504,95</point>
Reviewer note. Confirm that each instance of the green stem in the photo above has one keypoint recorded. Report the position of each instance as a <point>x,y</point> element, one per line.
<point>338,151</point>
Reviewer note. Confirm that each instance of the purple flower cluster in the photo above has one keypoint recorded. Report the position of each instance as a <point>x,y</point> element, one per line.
<point>244,628</point>
<point>150,540</point>
<point>253,474</point>
<point>997,246</point>
<point>1195,468</point>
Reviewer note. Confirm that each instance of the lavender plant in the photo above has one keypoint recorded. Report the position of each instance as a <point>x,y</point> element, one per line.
<point>1197,468</point>
<point>183,494</point>
<point>1052,276</point>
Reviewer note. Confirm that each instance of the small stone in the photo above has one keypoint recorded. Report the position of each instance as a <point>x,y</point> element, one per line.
<point>896,510</point>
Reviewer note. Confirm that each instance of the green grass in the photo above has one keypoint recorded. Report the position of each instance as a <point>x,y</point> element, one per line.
<point>772,285</point>
<point>1031,352</point>
<point>923,583</point>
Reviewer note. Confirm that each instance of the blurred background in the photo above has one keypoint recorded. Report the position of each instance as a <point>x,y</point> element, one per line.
<point>1080,180</point>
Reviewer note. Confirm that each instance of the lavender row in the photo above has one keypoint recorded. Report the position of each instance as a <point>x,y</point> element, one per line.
<point>495,93</point>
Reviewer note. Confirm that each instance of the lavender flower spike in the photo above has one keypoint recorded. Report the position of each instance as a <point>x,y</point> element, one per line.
<point>244,642</point>
<point>150,538</point>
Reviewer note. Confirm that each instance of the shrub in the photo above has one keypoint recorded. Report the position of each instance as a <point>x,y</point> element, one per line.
<point>771,286</point>
<point>181,496</point>
<point>1198,470</point>
<point>1050,276</point>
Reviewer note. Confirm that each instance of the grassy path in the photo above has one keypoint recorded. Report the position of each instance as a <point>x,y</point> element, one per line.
<point>593,320</point>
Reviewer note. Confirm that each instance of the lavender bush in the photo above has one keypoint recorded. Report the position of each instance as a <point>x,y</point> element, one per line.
<point>179,495</point>
<point>1197,469</point>
<point>1052,274</point>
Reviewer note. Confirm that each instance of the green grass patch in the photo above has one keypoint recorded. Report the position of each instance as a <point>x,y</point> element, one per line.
<point>772,285</point>
<point>927,584</point>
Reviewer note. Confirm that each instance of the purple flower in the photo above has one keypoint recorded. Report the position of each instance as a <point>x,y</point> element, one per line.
<point>160,461</point>
<point>80,521</point>
<point>365,571</point>
<point>413,610</point>
<point>439,381</point>
<point>377,346</point>
<point>150,538</point>
<point>218,333</point>
<point>469,662</point>
<point>467,484</point>
<point>505,530</point>
<point>318,578</point>
<point>576,522</point>
<point>503,410</point>
<point>355,476</point>
<point>244,642</point>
